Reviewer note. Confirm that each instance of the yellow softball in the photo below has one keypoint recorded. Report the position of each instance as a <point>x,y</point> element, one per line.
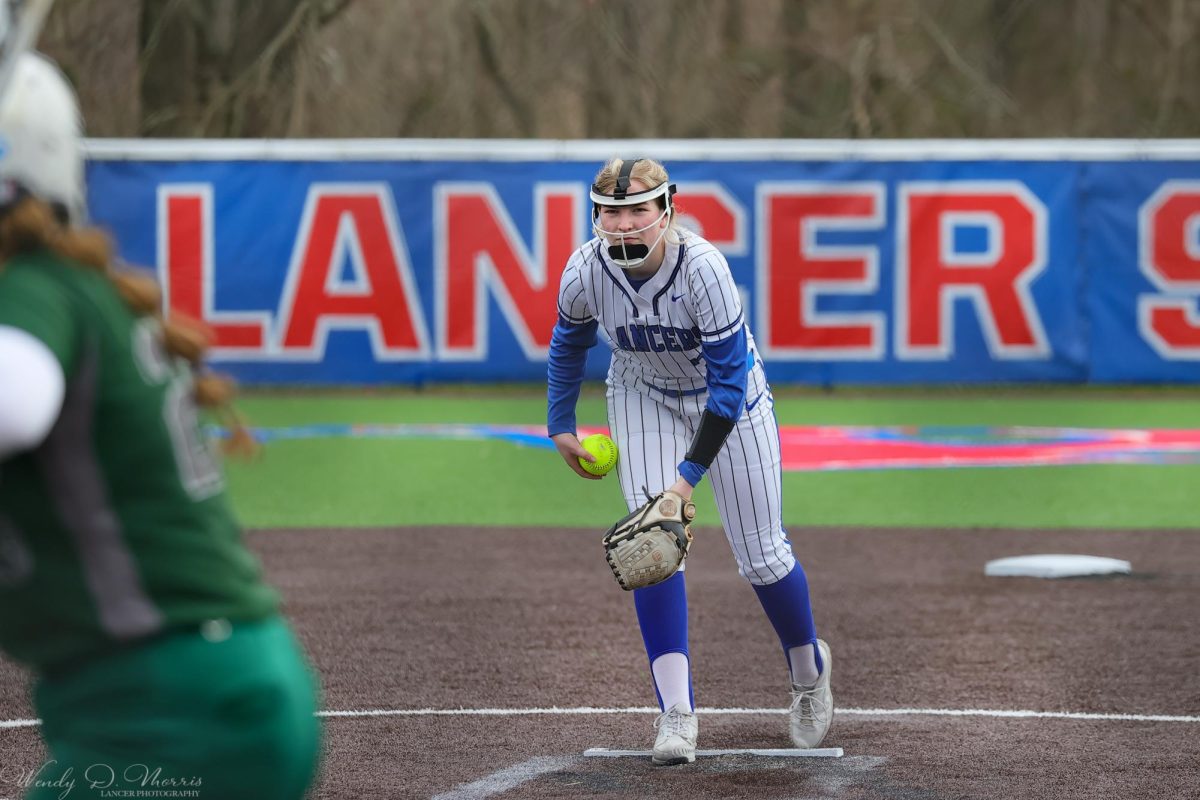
<point>605,451</point>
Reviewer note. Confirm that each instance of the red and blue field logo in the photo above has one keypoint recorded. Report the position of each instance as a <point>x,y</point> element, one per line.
<point>845,447</point>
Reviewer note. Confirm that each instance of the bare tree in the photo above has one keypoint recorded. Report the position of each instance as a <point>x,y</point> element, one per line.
<point>96,43</point>
<point>632,68</point>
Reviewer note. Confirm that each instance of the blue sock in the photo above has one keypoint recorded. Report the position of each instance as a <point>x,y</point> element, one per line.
<point>787,605</point>
<point>662,616</point>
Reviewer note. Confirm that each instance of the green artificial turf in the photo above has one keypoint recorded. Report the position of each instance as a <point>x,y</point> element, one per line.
<point>357,482</point>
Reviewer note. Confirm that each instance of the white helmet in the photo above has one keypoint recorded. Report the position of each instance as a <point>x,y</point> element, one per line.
<point>41,132</point>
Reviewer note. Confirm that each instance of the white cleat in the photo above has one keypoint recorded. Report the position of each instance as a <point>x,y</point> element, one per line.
<point>811,712</point>
<point>676,740</point>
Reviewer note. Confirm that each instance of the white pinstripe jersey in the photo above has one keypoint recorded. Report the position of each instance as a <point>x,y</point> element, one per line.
<point>656,331</point>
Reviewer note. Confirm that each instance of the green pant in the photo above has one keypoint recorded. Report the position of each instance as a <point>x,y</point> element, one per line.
<point>224,712</point>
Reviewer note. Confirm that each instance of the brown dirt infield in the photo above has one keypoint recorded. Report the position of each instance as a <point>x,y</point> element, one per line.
<point>507,618</point>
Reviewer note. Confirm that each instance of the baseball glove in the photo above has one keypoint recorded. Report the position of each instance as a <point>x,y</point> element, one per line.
<point>649,545</point>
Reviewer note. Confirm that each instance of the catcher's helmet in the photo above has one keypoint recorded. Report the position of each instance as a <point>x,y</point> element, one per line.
<point>41,150</point>
<point>629,255</point>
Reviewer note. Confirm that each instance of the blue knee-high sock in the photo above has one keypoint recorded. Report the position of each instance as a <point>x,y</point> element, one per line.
<point>662,616</point>
<point>787,605</point>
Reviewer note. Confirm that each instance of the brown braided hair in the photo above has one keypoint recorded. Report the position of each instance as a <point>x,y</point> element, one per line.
<point>31,224</point>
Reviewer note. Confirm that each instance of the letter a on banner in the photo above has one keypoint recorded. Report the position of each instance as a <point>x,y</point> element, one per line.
<point>351,228</point>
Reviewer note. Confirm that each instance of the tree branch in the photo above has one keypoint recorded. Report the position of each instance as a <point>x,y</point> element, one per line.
<point>257,69</point>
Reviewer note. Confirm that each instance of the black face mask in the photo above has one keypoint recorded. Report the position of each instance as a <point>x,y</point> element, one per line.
<point>628,252</point>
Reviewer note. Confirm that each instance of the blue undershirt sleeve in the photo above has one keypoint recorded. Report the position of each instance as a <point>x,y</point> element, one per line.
<point>564,372</point>
<point>692,472</point>
<point>728,365</point>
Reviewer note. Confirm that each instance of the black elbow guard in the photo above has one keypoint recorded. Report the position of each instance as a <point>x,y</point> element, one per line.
<point>709,439</point>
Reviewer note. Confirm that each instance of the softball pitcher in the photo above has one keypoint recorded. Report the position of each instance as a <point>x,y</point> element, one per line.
<point>160,658</point>
<point>687,396</point>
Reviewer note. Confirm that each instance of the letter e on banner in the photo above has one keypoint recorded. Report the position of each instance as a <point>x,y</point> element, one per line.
<point>931,274</point>
<point>1169,256</point>
<point>795,269</point>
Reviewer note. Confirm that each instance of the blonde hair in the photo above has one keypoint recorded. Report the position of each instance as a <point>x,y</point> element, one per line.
<point>649,172</point>
<point>31,224</point>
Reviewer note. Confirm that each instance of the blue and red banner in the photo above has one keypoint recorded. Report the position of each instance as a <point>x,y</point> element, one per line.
<point>405,269</point>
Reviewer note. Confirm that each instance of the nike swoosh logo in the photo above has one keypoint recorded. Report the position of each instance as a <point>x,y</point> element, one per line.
<point>750,406</point>
<point>676,297</point>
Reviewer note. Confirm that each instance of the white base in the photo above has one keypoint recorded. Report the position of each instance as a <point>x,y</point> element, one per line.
<point>1056,566</point>
<point>818,752</point>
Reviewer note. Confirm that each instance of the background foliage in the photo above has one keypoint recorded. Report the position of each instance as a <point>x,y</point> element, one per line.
<point>565,69</point>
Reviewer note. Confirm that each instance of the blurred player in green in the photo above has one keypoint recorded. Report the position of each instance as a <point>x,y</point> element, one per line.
<point>161,663</point>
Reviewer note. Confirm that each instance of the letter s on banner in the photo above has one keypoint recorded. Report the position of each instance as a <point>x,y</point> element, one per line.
<point>1169,256</point>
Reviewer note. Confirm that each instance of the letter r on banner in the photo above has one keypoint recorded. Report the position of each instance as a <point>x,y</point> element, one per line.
<point>931,274</point>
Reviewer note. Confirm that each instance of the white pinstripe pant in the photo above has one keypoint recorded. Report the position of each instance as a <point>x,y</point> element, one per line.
<point>654,432</point>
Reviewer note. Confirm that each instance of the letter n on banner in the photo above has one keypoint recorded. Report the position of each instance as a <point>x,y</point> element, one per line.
<point>188,275</point>
<point>1169,256</point>
<point>350,271</point>
<point>796,268</point>
<point>931,273</point>
<point>481,252</point>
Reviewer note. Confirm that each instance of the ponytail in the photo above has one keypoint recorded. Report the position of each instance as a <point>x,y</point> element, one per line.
<point>31,224</point>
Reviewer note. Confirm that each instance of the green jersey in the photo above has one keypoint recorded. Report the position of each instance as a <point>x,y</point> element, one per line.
<point>116,527</point>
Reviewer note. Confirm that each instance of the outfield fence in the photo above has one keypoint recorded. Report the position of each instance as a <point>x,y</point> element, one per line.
<point>877,262</point>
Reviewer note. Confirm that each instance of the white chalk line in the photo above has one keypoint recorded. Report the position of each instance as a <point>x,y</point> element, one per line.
<point>847,712</point>
<point>857,712</point>
<point>505,779</point>
<point>19,723</point>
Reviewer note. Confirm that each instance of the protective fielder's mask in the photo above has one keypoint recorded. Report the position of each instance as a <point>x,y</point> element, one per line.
<point>626,254</point>
<point>41,132</point>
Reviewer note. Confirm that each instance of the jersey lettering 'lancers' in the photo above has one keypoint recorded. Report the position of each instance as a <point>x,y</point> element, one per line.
<point>117,526</point>
<point>656,331</point>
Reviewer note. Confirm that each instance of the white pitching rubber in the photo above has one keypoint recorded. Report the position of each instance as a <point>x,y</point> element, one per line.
<point>817,752</point>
